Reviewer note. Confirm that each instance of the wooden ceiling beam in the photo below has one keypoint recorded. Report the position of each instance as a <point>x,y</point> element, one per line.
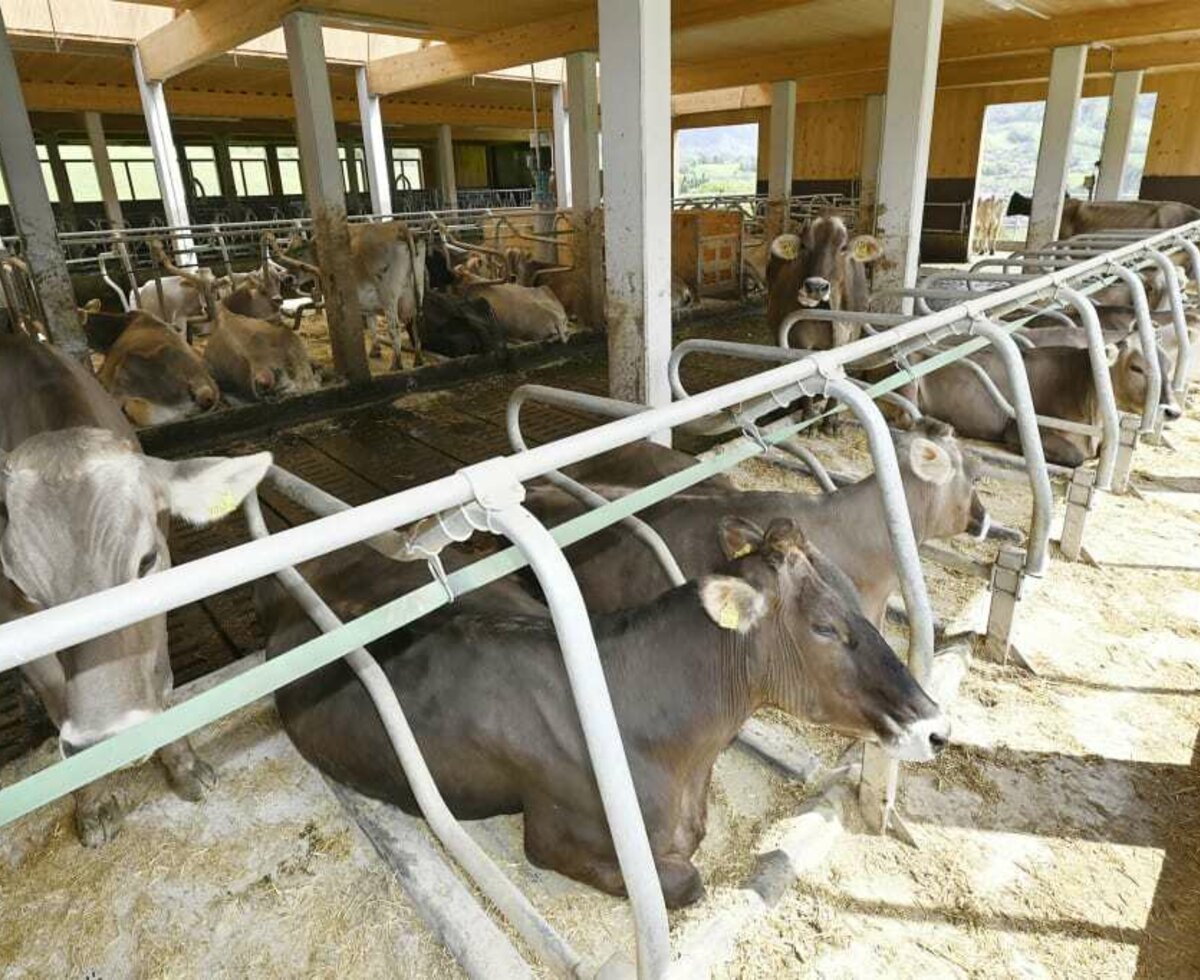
<point>1111,25</point>
<point>205,30</point>
<point>685,15</point>
<point>124,100</point>
<point>553,38</point>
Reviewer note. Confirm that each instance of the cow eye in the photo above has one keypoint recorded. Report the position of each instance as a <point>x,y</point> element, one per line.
<point>1136,369</point>
<point>827,631</point>
<point>146,565</point>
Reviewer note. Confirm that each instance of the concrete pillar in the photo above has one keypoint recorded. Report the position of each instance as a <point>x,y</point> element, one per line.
<point>635,40</point>
<point>562,155</point>
<point>583,138</point>
<point>1054,152</point>
<point>1118,134</point>
<point>374,147</point>
<point>317,138</point>
<point>782,156</point>
<point>32,213</point>
<point>447,183</point>
<point>166,161</point>
<point>907,124</point>
<point>872,145</point>
<point>104,172</point>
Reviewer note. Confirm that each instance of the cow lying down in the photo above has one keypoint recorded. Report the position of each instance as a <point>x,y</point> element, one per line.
<point>848,526</point>
<point>487,696</point>
<point>254,358</point>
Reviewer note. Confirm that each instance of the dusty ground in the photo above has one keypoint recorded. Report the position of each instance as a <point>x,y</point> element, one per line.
<point>1059,837</point>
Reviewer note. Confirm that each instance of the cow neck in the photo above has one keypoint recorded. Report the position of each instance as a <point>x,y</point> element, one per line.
<point>857,510</point>
<point>690,679</point>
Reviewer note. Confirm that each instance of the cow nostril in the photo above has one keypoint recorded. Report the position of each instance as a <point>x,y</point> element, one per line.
<point>816,286</point>
<point>69,749</point>
<point>938,741</point>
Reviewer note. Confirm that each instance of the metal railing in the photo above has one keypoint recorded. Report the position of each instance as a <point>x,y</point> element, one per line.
<point>489,495</point>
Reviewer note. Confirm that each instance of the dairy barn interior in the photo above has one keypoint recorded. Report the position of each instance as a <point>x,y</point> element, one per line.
<point>737,458</point>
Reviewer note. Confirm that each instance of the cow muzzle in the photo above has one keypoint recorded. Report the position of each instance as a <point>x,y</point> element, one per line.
<point>814,292</point>
<point>922,741</point>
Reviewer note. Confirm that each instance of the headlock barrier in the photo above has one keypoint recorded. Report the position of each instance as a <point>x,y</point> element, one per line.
<point>489,497</point>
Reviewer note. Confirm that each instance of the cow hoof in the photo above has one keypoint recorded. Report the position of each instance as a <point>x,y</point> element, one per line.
<point>192,780</point>
<point>98,821</point>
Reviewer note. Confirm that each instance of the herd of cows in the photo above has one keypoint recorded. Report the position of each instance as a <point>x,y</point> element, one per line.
<point>783,606</point>
<point>251,350</point>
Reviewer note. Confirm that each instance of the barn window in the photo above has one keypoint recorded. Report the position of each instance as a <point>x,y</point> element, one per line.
<point>202,164</point>
<point>408,169</point>
<point>43,156</point>
<point>716,160</point>
<point>289,170</point>
<point>250,170</point>
<point>133,172</point>
<point>357,181</point>
<point>81,172</point>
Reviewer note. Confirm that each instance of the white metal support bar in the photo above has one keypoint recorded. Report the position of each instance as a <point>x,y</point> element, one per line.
<point>583,139</point>
<point>324,189</point>
<point>635,43</point>
<point>782,133</point>
<point>104,171</point>
<point>1118,134</point>
<point>166,160</point>
<point>872,147</point>
<point>378,173</point>
<point>32,213</point>
<point>1054,152</point>
<point>562,152</point>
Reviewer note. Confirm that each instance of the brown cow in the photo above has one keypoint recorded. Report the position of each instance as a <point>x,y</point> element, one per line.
<point>486,693</point>
<point>255,358</point>
<point>1086,217</point>
<point>155,375</point>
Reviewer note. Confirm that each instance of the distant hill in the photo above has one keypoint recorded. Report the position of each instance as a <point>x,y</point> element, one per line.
<point>1012,133</point>
<point>717,160</point>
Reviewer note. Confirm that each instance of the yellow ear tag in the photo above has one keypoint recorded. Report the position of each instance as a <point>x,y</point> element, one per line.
<point>730,617</point>
<point>863,250</point>
<point>743,551</point>
<point>223,505</point>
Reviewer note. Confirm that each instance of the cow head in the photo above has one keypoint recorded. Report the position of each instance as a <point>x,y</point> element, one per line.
<point>1127,368</point>
<point>826,264</point>
<point>812,652</point>
<point>82,510</point>
<point>940,481</point>
<point>155,375</point>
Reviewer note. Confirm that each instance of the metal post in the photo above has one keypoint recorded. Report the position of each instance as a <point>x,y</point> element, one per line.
<point>58,172</point>
<point>782,133</point>
<point>880,777</point>
<point>447,182</point>
<point>374,146</point>
<point>1081,491</point>
<point>1125,450</point>
<point>1008,578</point>
<point>907,126</point>
<point>1031,442</point>
<point>1118,134</point>
<point>1149,342</point>
<point>1110,421</point>
<point>635,40</point>
<point>166,160</point>
<point>584,151</point>
<point>562,152</point>
<point>1183,357</point>
<point>104,173</point>
<point>32,212</point>
<point>323,187</point>
<point>1054,152</point>
<point>225,173</point>
<point>872,144</point>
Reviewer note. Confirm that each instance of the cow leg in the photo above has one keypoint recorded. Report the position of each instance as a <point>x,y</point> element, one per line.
<point>45,675</point>
<point>189,775</point>
<point>393,326</point>
<point>418,354</point>
<point>373,327</point>
<point>554,839</point>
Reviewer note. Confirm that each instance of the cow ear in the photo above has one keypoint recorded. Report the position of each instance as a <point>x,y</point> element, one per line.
<point>1112,353</point>
<point>739,537</point>
<point>204,490</point>
<point>786,247</point>
<point>930,462</point>
<point>865,248</point>
<point>732,603</point>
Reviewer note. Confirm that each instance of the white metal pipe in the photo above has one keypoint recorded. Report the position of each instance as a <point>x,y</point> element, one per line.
<point>1149,340</point>
<point>1110,420</point>
<point>1183,359</point>
<point>600,733</point>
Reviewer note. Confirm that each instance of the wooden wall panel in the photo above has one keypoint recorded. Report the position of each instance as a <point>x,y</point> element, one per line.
<point>1175,137</point>
<point>829,140</point>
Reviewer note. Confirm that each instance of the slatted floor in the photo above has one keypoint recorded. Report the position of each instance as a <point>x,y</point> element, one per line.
<point>359,457</point>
